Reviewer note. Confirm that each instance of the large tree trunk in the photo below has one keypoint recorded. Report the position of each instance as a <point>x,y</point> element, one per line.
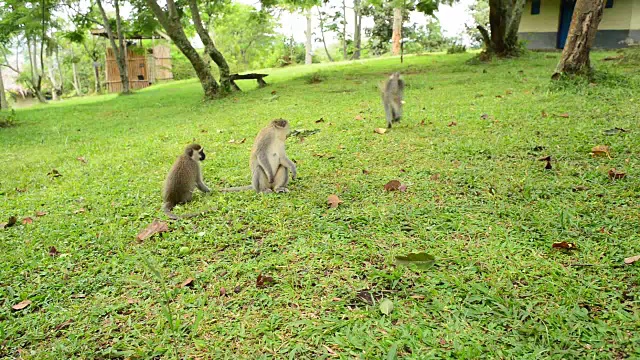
<point>210,47</point>
<point>171,23</point>
<point>76,82</point>
<point>344,30</point>
<point>119,52</point>
<point>584,26</point>
<point>504,21</point>
<point>36,75</point>
<point>396,36</point>
<point>324,42</point>
<point>3,98</point>
<point>307,45</point>
<point>96,76</point>
<point>357,31</point>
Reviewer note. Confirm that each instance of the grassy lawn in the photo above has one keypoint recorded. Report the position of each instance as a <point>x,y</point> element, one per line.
<point>477,199</point>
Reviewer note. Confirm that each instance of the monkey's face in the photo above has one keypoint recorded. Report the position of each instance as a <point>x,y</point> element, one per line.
<point>202,154</point>
<point>281,124</point>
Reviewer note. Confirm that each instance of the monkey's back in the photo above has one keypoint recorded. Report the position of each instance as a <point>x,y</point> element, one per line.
<point>181,180</point>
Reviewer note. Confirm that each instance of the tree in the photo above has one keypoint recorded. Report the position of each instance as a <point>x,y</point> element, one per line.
<point>245,34</point>
<point>323,27</point>
<point>584,25</point>
<point>504,22</point>
<point>357,28</point>
<point>118,48</point>
<point>480,14</point>
<point>170,19</point>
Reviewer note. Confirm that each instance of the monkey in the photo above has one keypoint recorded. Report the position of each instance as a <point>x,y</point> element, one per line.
<point>185,175</point>
<point>392,92</point>
<point>269,163</point>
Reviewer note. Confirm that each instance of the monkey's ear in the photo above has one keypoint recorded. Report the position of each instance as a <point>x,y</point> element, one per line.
<point>189,152</point>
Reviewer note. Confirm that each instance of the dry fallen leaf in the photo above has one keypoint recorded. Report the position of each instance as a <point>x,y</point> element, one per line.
<point>27,220</point>
<point>380,130</point>
<point>615,174</point>
<point>273,92</point>
<point>434,177</point>
<point>53,251</point>
<point>64,325</point>
<point>223,291</point>
<point>41,213</point>
<point>366,172</point>
<point>82,159</point>
<point>333,201</point>
<point>631,260</point>
<point>78,296</point>
<point>21,305</point>
<point>319,120</point>
<point>204,131</point>
<point>422,123</point>
<point>453,123</point>
<point>358,117</point>
<point>544,114</point>
<point>264,281</point>
<point>601,150</point>
<point>21,190</point>
<point>186,283</point>
<point>81,210</point>
<point>392,185</point>
<point>484,116</point>
<point>237,289</point>
<point>563,115</point>
<point>564,245</point>
<point>509,92</point>
<point>156,226</point>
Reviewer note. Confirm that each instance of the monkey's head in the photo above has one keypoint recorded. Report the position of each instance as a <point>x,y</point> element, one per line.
<point>195,152</point>
<point>281,124</point>
<point>395,75</point>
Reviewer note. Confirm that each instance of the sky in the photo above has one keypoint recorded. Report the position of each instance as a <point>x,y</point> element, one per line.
<point>452,20</point>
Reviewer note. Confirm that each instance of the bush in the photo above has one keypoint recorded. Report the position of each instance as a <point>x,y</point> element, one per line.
<point>456,48</point>
<point>7,118</point>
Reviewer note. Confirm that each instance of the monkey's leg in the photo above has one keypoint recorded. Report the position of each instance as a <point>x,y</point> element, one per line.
<point>282,180</point>
<point>388,114</point>
<point>260,182</point>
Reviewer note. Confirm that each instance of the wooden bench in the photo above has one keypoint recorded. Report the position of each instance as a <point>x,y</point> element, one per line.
<point>253,76</point>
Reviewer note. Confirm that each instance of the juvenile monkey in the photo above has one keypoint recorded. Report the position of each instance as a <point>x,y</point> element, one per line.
<point>185,175</point>
<point>269,162</point>
<point>392,92</point>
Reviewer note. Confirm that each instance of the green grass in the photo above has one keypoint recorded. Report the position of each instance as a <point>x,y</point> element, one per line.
<point>477,199</point>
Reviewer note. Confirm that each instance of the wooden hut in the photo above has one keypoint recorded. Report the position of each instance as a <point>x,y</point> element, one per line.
<point>145,66</point>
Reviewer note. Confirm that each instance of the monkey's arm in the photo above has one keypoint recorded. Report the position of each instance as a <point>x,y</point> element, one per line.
<point>286,162</point>
<point>202,186</point>
<point>263,161</point>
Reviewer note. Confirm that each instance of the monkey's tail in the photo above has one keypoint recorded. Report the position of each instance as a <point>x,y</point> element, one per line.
<point>166,207</point>
<point>237,188</point>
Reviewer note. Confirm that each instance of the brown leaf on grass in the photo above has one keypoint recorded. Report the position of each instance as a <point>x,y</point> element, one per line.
<point>546,158</point>
<point>27,220</point>
<point>358,117</point>
<point>273,92</point>
<point>320,120</point>
<point>131,301</point>
<point>55,173</point>
<point>64,325</point>
<point>580,188</point>
<point>564,245</point>
<point>601,150</point>
<point>544,114</point>
<point>366,172</point>
<point>499,96</point>
<point>443,342</point>
<point>392,185</point>
<point>509,92</point>
<point>611,58</point>
<point>616,175</point>
<point>242,141</point>
<point>453,123</point>
<point>79,211</point>
<point>548,166</point>
<point>417,297</point>
<point>156,226</point>
<point>631,260</point>
<point>41,213</point>
<point>484,116</point>
<point>21,305</point>
<point>263,281</point>
<point>380,130</point>
<point>223,291</point>
<point>204,131</point>
<point>333,201</point>
<point>78,296</point>
<point>237,289</point>
<point>12,221</point>
<point>434,177</point>
<point>563,115</point>
<point>186,283</point>
<point>82,159</point>
<point>53,251</point>
<point>21,190</point>
<point>422,123</point>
